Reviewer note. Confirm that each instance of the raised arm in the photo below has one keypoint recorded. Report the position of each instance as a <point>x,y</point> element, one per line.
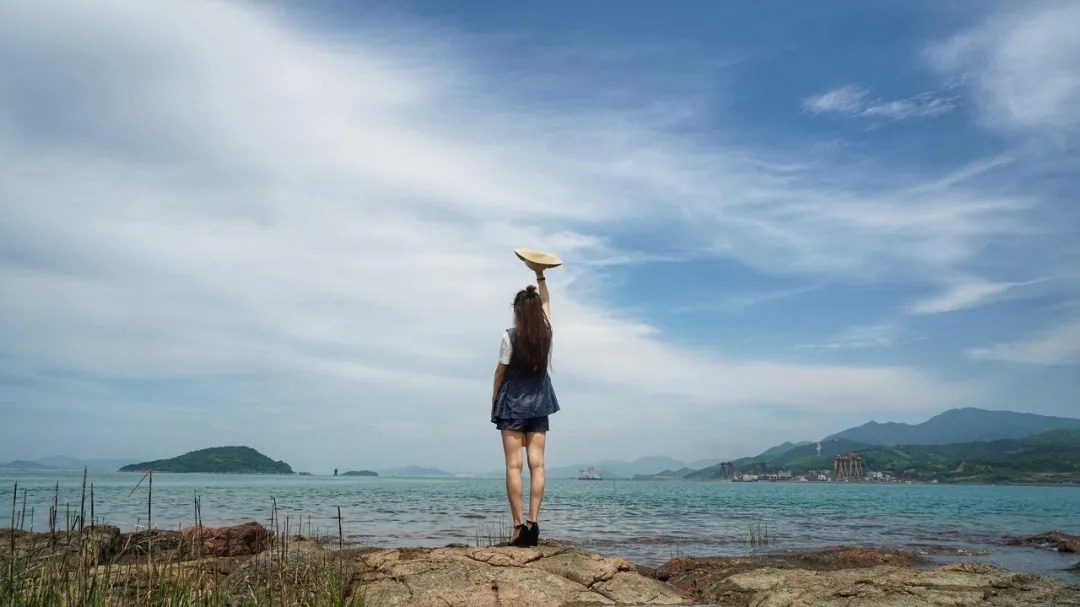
<point>545,298</point>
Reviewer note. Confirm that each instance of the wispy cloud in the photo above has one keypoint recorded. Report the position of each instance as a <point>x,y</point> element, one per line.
<point>856,101</point>
<point>862,336</point>
<point>965,295</point>
<point>1059,345</point>
<point>1024,66</point>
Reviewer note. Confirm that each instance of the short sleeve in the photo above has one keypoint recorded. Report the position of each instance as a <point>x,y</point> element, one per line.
<point>506,350</point>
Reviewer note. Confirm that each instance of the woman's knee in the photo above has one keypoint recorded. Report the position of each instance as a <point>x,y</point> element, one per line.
<point>514,465</point>
<point>536,465</point>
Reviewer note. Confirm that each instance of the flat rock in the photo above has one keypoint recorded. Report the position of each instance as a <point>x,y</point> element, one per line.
<point>546,576</point>
<point>744,583</point>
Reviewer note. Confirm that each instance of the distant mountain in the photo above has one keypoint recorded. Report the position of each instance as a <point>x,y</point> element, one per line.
<point>1052,457</point>
<point>233,460</point>
<point>780,449</point>
<point>958,426</point>
<point>666,474</point>
<point>63,462</point>
<point>415,472</point>
<point>359,473</point>
<point>645,466</point>
<point>22,464</point>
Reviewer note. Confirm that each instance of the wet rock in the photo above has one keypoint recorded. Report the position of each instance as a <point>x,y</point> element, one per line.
<point>550,575</point>
<point>237,540</point>
<point>1051,540</point>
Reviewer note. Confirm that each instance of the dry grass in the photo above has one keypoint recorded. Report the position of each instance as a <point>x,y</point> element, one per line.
<point>80,564</point>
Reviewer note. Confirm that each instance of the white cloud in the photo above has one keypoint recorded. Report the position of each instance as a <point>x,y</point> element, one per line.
<point>1024,64</point>
<point>848,99</point>
<point>965,295</point>
<point>315,233</point>
<point>855,100</point>
<point>1058,345</point>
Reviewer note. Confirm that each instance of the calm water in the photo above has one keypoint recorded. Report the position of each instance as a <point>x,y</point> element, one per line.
<point>648,522</point>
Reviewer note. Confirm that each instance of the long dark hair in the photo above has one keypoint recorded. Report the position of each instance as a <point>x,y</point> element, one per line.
<point>532,340</point>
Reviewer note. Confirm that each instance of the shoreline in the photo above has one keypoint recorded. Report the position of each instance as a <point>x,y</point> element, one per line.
<point>251,560</point>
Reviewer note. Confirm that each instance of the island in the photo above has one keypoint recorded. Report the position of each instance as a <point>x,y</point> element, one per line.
<point>360,473</point>
<point>220,460</point>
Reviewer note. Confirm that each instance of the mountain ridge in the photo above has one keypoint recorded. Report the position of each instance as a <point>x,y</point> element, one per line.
<point>969,424</point>
<point>1048,457</point>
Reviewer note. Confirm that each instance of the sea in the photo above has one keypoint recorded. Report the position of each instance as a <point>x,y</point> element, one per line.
<point>648,522</point>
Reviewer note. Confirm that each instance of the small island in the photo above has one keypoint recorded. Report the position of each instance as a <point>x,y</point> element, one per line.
<point>218,460</point>
<point>360,473</point>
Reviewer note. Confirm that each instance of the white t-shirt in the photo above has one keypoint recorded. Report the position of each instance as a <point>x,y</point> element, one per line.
<point>507,349</point>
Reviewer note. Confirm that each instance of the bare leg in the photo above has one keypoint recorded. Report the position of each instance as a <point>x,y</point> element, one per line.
<point>534,447</point>
<point>513,442</point>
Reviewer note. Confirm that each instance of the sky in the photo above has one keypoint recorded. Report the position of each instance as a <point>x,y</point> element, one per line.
<point>290,225</point>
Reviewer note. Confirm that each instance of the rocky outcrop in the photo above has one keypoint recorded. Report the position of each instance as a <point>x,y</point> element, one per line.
<point>104,544</point>
<point>99,543</point>
<point>246,564</point>
<point>547,576</point>
<point>238,540</point>
<point>1051,540</point>
<point>853,578</point>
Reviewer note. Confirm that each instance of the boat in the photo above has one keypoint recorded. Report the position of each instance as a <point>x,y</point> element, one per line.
<point>589,474</point>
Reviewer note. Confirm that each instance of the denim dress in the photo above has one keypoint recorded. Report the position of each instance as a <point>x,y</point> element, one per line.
<point>525,399</point>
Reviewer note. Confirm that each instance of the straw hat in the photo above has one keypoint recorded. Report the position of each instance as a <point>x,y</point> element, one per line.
<point>537,260</point>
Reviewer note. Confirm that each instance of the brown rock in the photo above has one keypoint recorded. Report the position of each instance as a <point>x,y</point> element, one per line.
<point>547,576</point>
<point>99,543</point>
<point>238,540</point>
<point>787,584</point>
<point>1051,540</point>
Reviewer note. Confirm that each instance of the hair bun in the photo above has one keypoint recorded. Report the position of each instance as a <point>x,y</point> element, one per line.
<point>531,288</point>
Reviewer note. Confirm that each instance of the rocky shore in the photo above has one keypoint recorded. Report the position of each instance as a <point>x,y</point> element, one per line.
<point>239,561</point>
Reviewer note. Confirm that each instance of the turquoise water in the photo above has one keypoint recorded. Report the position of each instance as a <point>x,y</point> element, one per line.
<point>648,522</point>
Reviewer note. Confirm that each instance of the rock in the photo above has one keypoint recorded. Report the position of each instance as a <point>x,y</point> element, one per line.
<point>788,582</point>
<point>238,540</point>
<point>99,543</point>
<point>157,545</point>
<point>550,575</point>
<point>1051,540</point>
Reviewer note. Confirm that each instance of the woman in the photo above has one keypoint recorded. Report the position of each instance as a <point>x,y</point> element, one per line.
<point>521,402</point>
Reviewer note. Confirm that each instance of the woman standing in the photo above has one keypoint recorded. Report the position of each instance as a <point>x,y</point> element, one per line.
<point>522,401</point>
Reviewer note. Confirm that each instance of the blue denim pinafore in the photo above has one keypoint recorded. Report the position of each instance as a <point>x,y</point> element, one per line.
<point>524,394</point>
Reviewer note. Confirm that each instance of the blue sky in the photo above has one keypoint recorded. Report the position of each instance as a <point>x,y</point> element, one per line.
<point>289,225</point>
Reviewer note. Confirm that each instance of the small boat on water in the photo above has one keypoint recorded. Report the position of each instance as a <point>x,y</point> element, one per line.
<point>589,474</point>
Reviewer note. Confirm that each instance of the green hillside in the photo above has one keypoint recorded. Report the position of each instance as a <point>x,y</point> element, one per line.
<point>231,460</point>
<point>1048,457</point>
<point>798,459</point>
